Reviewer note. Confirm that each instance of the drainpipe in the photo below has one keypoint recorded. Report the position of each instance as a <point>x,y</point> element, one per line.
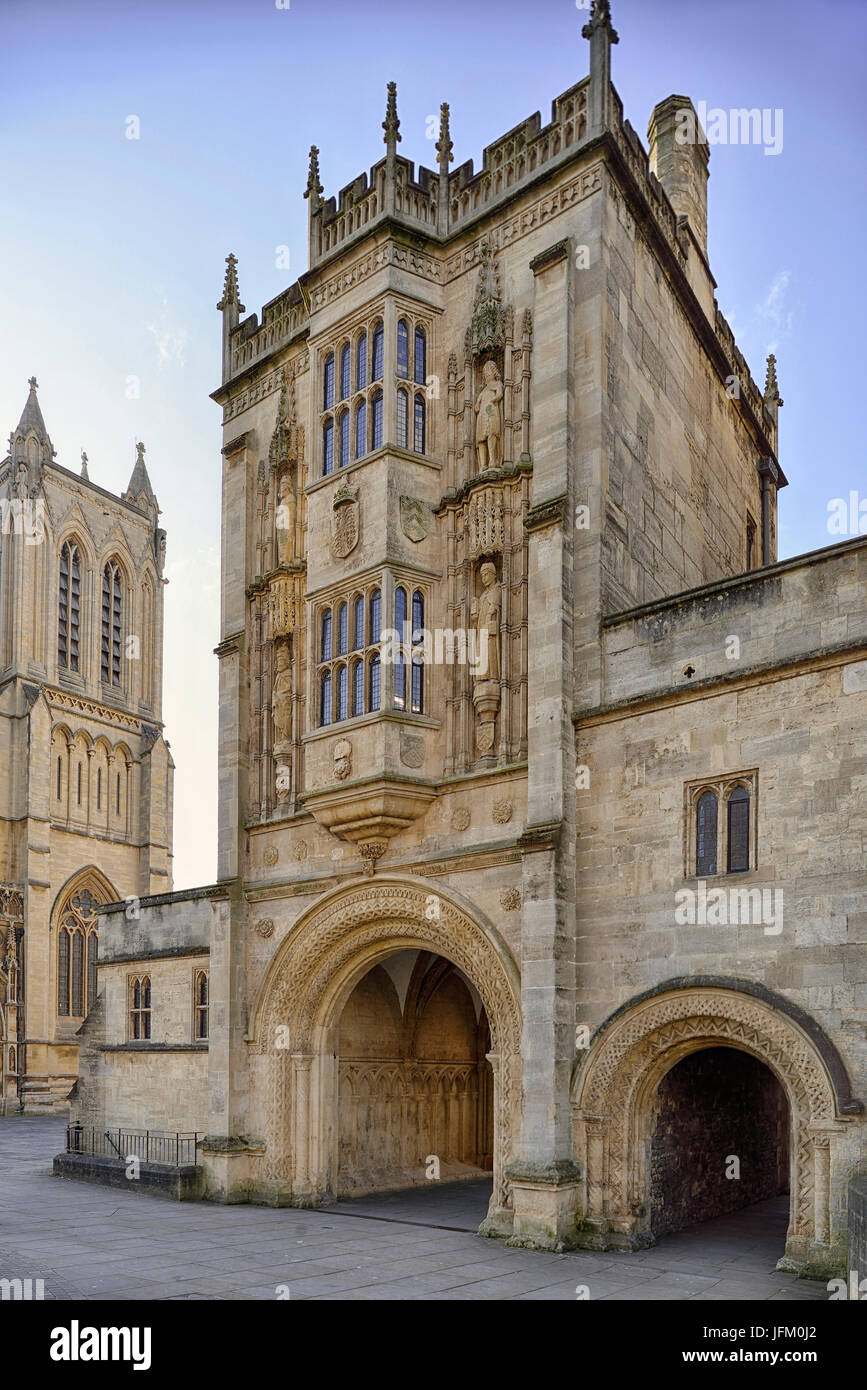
<point>769,474</point>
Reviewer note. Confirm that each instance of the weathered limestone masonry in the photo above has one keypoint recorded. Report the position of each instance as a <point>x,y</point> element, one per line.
<point>502,408</point>
<point>85,774</point>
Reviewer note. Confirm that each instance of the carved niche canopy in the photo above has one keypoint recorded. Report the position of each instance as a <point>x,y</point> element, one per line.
<point>488,326</point>
<point>287,441</point>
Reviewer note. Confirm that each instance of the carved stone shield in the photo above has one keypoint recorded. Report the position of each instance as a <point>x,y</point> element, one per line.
<point>346,525</point>
<point>414,518</point>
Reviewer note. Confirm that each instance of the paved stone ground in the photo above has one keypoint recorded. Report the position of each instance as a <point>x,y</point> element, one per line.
<point>90,1242</point>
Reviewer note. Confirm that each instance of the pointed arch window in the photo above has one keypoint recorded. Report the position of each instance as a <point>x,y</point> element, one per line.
<point>77,944</point>
<point>200,1005</point>
<point>400,610</point>
<point>378,353</point>
<point>328,383</point>
<point>375,615</point>
<point>418,424</point>
<point>140,1008</point>
<point>376,404</point>
<point>343,439</point>
<point>111,615</point>
<point>358,624</point>
<point>417,669</point>
<point>345,361</point>
<point>328,448</point>
<point>402,418</point>
<point>341,692</point>
<point>738,851</point>
<point>705,834</point>
<point>361,430</point>
<point>420,357</point>
<point>342,629</point>
<point>361,362</point>
<point>325,649</point>
<point>402,348</point>
<point>358,689</point>
<point>325,699</point>
<point>69,607</point>
<point>375,683</point>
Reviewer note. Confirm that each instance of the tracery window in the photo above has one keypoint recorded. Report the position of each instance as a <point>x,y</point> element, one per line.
<point>342,685</point>
<point>721,833</point>
<point>200,1004</point>
<point>140,1008</point>
<point>77,942</point>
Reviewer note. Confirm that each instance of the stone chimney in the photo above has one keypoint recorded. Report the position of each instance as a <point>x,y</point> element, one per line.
<point>679,155</point>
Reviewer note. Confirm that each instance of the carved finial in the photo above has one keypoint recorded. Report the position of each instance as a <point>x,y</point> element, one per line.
<point>314,187</point>
<point>84,472</point>
<point>231,294</point>
<point>140,452</point>
<point>489,319</point>
<point>600,18</point>
<point>391,125</point>
<point>772,390</point>
<point>33,383</point>
<point>444,145</point>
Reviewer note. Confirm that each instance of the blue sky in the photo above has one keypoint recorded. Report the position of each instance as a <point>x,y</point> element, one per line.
<point>113,249</point>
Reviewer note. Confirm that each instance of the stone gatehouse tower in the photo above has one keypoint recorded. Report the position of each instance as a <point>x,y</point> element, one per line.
<point>501,415</point>
<point>86,791</point>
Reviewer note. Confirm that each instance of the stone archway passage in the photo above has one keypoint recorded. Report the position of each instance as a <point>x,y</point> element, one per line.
<point>414,1084</point>
<point>719,1141</point>
<point>615,1094</point>
<point>296,1021</point>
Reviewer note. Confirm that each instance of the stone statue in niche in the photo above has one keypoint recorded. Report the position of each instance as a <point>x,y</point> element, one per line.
<point>489,419</point>
<point>22,483</point>
<point>285,519</point>
<point>487,613</point>
<point>486,610</point>
<point>281,709</point>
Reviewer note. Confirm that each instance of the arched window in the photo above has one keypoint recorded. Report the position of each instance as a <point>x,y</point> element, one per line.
<point>325,699</point>
<point>375,615</point>
<point>59,777</point>
<point>420,357</point>
<point>343,438</point>
<point>361,362</point>
<point>328,383</point>
<point>76,955</point>
<point>117,794</point>
<point>342,629</point>
<point>98,789</point>
<point>328,447</point>
<point>418,424</point>
<point>200,1005</point>
<point>358,624</point>
<point>705,834</point>
<point>400,611</point>
<point>341,692</point>
<point>376,442</point>
<point>417,677</point>
<point>361,430</point>
<point>417,616</point>
<point>402,348</point>
<point>375,671</point>
<point>378,345</point>
<point>399,683</point>
<point>738,857</point>
<point>140,1008</point>
<point>345,359</point>
<point>325,649</point>
<point>358,689</point>
<point>69,607</point>
<point>417,639</point>
<point>402,418</point>
<point>111,624</point>
<point>146,654</point>
<point>78,786</point>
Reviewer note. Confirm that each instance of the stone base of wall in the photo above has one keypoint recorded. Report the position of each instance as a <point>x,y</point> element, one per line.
<point>181,1184</point>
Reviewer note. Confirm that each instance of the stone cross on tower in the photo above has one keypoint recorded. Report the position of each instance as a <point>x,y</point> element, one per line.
<point>602,34</point>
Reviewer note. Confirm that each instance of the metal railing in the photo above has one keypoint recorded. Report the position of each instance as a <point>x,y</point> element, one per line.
<point>149,1145</point>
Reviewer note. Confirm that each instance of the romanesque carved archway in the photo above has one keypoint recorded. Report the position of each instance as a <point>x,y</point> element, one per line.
<point>302,996</point>
<point>613,1095</point>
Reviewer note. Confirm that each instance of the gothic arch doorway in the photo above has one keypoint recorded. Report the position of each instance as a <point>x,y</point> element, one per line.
<point>415,1087</point>
<point>307,987</point>
<point>617,1103</point>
